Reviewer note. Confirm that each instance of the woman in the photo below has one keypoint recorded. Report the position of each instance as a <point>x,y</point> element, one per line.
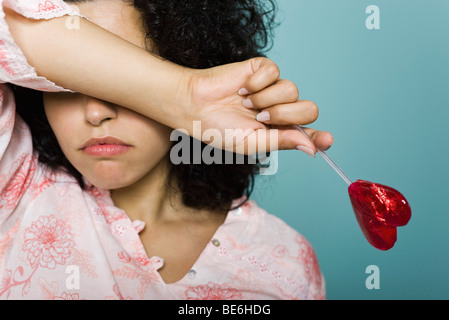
<point>94,208</point>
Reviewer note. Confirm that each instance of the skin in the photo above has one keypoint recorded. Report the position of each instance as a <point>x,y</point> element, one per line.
<point>136,179</point>
<point>178,95</point>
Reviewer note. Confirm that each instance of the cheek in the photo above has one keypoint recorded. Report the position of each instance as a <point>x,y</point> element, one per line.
<point>61,112</point>
<point>153,141</point>
<point>152,146</point>
<point>144,131</point>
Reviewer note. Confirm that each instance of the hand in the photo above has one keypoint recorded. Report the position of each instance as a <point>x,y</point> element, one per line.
<point>237,96</point>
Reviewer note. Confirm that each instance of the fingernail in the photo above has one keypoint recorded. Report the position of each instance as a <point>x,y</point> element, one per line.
<point>306,150</point>
<point>247,103</point>
<point>263,116</point>
<point>243,92</point>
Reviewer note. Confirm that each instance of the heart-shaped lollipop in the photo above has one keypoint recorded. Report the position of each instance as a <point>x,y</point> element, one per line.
<point>379,209</point>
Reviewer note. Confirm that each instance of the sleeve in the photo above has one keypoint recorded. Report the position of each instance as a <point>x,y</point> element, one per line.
<point>299,263</point>
<point>14,67</point>
<point>296,259</point>
<point>315,288</point>
<point>17,161</point>
<point>287,261</point>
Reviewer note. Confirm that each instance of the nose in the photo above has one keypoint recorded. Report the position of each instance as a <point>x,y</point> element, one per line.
<point>97,111</point>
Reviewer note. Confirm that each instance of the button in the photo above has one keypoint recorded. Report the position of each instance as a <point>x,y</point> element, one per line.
<point>237,211</point>
<point>120,229</point>
<point>191,274</point>
<point>157,262</point>
<point>138,225</point>
<point>215,242</point>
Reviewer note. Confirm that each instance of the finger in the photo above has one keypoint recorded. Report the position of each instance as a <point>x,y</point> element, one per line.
<point>269,140</point>
<point>323,140</point>
<point>301,112</point>
<point>282,139</point>
<point>281,92</point>
<point>264,73</point>
<point>291,139</point>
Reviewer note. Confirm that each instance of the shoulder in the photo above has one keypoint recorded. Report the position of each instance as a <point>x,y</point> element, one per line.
<point>277,253</point>
<point>269,231</point>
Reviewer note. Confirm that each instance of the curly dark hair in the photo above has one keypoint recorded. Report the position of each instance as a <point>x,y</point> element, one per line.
<point>196,34</point>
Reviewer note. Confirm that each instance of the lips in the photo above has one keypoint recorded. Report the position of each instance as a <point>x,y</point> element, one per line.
<point>107,146</point>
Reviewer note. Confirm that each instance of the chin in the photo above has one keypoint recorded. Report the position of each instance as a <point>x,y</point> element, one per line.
<point>111,182</point>
<point>110,185</point>
<point>110,175</point>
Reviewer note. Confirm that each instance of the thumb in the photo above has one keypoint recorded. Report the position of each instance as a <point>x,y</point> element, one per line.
<point>269,140</point>
<point>290,139</point>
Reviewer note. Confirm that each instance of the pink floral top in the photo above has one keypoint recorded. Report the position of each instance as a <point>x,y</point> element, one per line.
<point>60,242</point>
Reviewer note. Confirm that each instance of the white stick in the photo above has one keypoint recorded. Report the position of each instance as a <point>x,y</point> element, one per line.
<point>329,160</point>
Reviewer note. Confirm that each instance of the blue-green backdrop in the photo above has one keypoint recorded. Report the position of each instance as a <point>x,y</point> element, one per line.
<point>384,95</point>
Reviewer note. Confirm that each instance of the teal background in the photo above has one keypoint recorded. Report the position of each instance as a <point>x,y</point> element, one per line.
<point>384,95</point>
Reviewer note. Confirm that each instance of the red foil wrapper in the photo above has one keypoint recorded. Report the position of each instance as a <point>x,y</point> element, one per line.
<point>379,210</point>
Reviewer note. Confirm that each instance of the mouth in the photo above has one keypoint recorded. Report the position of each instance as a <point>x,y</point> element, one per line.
<point>107,146</point>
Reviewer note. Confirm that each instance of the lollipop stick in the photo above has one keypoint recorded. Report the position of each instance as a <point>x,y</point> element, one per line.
<point>328,160</point>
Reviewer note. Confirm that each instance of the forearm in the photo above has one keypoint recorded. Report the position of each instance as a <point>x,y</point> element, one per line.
<point>95,62</point>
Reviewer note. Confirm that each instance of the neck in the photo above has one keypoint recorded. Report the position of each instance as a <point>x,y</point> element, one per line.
<point>151,200</point>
